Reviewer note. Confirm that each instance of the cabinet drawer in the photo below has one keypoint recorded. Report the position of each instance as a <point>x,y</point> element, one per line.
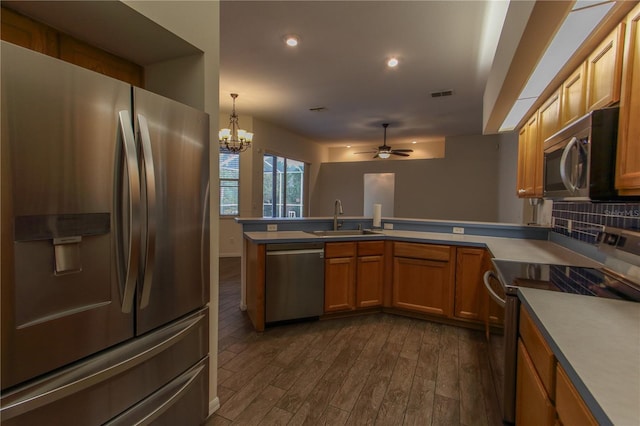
<point>569,405</point>
<point>540,353</point>
<point>422,251</point>
<point>346,249</point>
<point>370,248</point>
<point>533,407</point>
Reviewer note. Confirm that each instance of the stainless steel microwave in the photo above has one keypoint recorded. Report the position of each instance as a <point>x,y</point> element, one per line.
<point>580,159</point>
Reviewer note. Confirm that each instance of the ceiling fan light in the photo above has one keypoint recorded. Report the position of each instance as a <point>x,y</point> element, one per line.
<point>384,154</point>
<point>292,40</point>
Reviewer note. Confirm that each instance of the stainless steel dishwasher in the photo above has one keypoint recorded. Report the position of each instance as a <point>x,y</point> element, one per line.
<point>294,286</point>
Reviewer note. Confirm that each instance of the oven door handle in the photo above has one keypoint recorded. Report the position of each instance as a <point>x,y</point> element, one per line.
<point>486,278</point>
<point>566,177</point>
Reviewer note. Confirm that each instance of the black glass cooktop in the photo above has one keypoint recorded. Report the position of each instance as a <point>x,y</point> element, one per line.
<point>568,279</point>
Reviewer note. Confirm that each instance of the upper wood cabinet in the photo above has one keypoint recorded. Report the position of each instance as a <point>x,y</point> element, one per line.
<point>573,96</point>
<point>86,56</point>
<point>26,32</point>
<point>423,278</point>
<point>548,120</point>
<point>628,163</point>
<point>530,158</point>
<point>604,70</point>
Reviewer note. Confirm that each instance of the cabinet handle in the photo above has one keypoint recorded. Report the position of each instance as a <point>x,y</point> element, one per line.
<point>522,191</point>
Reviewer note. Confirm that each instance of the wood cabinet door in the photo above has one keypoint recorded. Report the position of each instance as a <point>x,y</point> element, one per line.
<point>423,285</point>
<point>522,148</point>
<point>339,284</point>
<point>530,158</point>
<point>533,157</point>
<point>628,163</point>
<point>469,293</point>
<point>87,56</point>
<point>573,96</point>
<point>370,276</point>
<point>533,407</point>
<point>572,411</point>
<point>604,67</point>
<point>26,32</point>
<point>549,117</point>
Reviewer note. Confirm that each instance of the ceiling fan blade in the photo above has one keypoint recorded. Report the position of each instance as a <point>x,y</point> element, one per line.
<point>402,154</point>
<point>366,152</point>
<point>402,150</point>
<point>376,156</point>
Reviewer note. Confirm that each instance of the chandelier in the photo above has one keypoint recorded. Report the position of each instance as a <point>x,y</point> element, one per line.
<point>234,139</point>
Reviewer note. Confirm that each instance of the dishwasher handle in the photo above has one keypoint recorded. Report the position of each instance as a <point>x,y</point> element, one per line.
<point>295,252</point>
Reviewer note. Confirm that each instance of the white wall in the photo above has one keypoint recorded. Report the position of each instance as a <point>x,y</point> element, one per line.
<point>194,80</point>
<point>511,209</point>
<point>461,186</point>
<point>271,139</point>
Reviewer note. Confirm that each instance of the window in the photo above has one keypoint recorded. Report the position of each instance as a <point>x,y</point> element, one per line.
<point>229,183</point>
<point>283,187</point>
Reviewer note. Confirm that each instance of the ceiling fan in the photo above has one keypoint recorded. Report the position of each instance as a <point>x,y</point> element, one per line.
<point>385,151</point>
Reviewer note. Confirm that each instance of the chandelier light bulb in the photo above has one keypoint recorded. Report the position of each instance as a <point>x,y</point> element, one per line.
<point>392,62</point>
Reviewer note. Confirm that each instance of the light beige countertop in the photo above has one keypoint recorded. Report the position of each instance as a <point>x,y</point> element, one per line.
<point>512,249</point>
<point>597,342</point>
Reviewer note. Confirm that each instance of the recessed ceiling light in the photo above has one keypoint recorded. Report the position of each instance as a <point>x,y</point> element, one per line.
<point>414,142</point>
<point>348,146</point>
<point>292,40</point>
<point>392,62</point>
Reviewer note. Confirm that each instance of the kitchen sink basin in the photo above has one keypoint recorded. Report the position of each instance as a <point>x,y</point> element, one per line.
<point>342,232</point>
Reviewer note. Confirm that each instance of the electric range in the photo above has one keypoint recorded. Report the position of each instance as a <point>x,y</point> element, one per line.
<point>598,282</point>
<point>619,244</point>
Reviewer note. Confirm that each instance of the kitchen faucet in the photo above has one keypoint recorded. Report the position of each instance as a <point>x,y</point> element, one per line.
<point>337,209</point>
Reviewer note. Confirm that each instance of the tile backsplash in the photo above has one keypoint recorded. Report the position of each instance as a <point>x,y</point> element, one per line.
<point>583,220</point>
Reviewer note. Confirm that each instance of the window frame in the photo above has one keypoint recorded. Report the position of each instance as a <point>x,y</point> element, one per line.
<point>274,180</point>
<point>227,179</point>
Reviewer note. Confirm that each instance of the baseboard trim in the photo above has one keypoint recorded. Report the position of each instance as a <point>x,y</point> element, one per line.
<point>214,404</point>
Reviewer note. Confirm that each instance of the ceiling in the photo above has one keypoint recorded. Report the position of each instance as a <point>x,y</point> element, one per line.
<point>340,65</point>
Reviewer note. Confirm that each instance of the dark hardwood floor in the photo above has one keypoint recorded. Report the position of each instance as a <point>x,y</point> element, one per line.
<point>371,369</point>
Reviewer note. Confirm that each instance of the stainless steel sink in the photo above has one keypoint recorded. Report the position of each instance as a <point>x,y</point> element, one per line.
<point>342,232</point>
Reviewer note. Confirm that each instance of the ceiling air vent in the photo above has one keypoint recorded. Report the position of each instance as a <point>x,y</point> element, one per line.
<point>441,93</point>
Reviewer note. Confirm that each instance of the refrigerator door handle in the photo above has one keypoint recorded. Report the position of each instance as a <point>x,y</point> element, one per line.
<point>203,238</point>
<point>127,268</point>
<point>176,391</point>
<point>150,190</point>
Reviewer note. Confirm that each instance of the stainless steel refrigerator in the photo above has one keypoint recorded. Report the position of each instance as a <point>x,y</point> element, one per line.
<point>105,247</point>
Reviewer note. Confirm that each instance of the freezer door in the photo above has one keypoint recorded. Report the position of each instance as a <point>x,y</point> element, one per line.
<point>173,143</point>
<point>162,374</point>
<point>60,296</point>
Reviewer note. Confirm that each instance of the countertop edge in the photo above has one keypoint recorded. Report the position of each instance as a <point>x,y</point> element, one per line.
<point>592,403</point>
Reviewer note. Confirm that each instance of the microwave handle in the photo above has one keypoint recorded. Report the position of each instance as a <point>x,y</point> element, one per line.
<point>566,180</point>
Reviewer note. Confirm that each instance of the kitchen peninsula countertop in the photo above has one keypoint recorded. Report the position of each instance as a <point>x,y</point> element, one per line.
<point>512,249</point>
<point>597,342</point>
